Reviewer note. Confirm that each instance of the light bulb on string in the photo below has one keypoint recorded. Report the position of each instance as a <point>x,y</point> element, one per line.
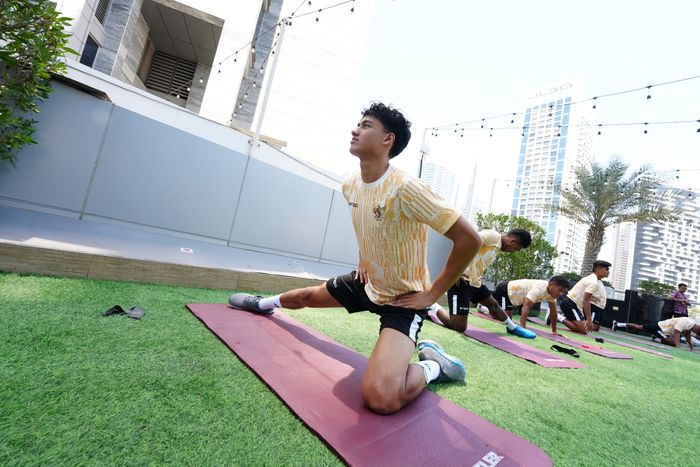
<point>512,120</point>
<point>491,134</point>
<point>482,122</point>
<point>188,88</point>
<point>595,100</point>
<point>252,50</point>
<point>645,127</point>
<point>600,125</point>
<point>255,85</point>
<point>201,80</point>
<point>649,92</point>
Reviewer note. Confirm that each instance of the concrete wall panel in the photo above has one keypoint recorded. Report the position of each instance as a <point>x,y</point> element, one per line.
<point>57,170</point>
<point>281,211</point>
<point>154,174</point>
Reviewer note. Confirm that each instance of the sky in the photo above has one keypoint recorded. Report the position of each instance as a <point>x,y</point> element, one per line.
<point>448,61</point>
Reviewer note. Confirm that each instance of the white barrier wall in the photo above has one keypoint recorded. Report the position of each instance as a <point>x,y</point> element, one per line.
<point>100,160</point>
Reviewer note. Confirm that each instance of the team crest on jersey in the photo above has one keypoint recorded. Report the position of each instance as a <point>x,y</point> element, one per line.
<point>379,212</point>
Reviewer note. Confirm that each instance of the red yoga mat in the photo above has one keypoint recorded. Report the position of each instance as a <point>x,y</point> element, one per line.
<point>616,342</point>
<point>319,380</point>
<point>592,348</point>
<point>515,348</point>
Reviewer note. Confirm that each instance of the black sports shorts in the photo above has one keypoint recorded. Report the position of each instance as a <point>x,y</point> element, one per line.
<point>350,293</point>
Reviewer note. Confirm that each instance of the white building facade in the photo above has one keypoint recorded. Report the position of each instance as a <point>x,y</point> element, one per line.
<point>622,238</point>
<point>556,139</point>
<point>669,252</point>
<point>215,58</point>
<point>442,180</point>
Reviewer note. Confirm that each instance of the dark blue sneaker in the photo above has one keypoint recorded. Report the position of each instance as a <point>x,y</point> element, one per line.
<point>451,368</point>
<point>248,302</point>
<point>522,332</point>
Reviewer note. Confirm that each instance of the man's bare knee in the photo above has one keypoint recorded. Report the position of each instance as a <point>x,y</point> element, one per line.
<point>379,401</point>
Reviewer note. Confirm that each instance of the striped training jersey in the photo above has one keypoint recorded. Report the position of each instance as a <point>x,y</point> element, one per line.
<point>490,247</point>
<point>391,217</point>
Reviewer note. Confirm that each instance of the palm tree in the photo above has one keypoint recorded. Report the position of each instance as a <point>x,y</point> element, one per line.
<point>605,196</point>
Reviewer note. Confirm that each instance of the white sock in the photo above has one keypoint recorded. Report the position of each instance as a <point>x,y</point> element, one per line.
<point>270,302</point>
<point>431,370</point>
<point>560,318</point>
<point>509,324</point>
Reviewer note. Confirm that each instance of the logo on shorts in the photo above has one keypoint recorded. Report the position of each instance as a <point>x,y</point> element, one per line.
<point>379,212</point>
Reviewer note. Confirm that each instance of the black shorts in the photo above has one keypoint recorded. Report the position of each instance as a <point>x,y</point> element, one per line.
<point>655,330</point>
<point>350,293</point>
<point>500,294</point>
<point>572,313</point>
<point>460,294</point>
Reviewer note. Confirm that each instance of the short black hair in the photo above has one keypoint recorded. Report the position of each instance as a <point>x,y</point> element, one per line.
<point>600,264</point>
<point>560,280</point>
<point>394,122</point>
<point>523,236</point>
<point>679,285</point>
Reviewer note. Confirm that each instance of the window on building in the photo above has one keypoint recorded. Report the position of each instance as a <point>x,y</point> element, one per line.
<point>89,51</point>
<point>171,75</point>
<point>101,10</point>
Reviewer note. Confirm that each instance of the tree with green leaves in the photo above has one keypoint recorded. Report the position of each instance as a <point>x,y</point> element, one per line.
<point>655,288</point>
<point>32,47</point>
<point>572,277</point>
<point>607,195</point>
<point>534,262</point>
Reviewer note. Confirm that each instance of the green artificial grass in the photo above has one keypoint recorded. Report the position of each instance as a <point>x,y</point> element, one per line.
<point>78,388</point>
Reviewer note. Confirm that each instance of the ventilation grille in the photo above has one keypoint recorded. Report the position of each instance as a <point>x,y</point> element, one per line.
<point>171,75</point>
<point>101,10</point>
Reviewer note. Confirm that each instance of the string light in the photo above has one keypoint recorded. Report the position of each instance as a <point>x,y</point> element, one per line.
<point>645,127</point>
<point>649,92</point>
<point>593,99</point>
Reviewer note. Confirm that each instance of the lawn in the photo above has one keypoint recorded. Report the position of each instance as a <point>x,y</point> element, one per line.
<point>78,388</point>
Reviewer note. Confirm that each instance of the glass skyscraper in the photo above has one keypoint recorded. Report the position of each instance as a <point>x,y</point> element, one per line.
<point>556,138</point>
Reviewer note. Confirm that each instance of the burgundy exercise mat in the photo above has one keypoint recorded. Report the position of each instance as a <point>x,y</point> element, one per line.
<point>592,348</point>
<point>514,347</point>
<point>616,342</point>
<point>636,338</point>
<point>319,380</point>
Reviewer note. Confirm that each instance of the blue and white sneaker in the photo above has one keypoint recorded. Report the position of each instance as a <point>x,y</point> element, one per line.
<point>451,368</point>
<point>522,332</point>
<point>248,302</point>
